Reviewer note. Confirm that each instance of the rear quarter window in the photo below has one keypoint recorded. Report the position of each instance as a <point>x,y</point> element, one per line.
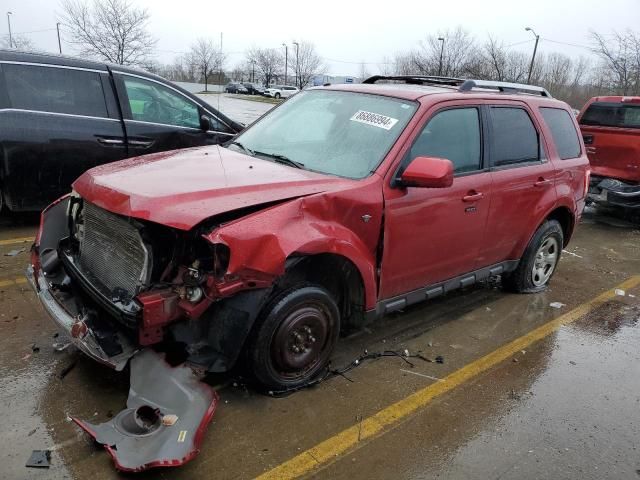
<point>563,132</point>
<point>55,90</point>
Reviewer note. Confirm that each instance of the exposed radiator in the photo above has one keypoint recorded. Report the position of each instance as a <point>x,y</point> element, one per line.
<point>112,251</point>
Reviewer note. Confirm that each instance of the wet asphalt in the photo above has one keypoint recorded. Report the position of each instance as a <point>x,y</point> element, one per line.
<point>567,406</point>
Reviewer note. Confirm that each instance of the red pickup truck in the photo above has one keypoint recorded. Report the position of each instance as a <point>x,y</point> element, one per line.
<point>611,132</point>
<point>342,204</point>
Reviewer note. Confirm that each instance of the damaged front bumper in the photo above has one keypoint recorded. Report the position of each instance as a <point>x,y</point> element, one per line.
<point>611,191</point>
<point>76,328</point>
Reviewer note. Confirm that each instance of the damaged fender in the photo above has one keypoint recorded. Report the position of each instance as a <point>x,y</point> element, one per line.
<point>261,243</point>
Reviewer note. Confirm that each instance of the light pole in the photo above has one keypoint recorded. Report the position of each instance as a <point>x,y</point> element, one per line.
<point>535,49</point>
<point>9,23</point>
<point>286,60</point>
<point>253,71</point>
<point>440,39</point>
<point>297,64</point>
<point>59,43</point>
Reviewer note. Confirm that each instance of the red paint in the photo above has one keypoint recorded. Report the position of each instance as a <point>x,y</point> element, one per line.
<point>158,309</point>
<point>615,151</point>
<point>428,234</point>
<point>428,172</point>
<point>184,187</point>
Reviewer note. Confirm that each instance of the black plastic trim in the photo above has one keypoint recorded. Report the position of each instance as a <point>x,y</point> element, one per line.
<point>429,292</point>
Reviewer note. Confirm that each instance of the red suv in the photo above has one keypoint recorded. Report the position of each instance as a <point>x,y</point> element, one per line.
<point>611,132</point>
<point>341,205</point>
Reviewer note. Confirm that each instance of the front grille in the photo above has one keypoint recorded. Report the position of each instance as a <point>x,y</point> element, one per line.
<point>112,252</point>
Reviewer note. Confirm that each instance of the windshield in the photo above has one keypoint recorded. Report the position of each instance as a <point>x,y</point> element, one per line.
<point>608,114</point>
<point>339,133</point>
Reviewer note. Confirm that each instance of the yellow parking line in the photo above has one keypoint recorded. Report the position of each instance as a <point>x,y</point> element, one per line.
<point>13,281</point>
<point>13,241</point>
<point>331,449</point>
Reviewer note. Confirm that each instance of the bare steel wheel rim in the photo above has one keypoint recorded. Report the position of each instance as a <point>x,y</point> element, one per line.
<point>545,261</point>
<point>301,341</point>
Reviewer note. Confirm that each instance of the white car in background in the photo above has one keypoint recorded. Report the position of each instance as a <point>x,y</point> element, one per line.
<point>280,91</point>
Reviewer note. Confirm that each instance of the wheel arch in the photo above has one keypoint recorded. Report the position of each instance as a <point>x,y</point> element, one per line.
<point>337,274</point>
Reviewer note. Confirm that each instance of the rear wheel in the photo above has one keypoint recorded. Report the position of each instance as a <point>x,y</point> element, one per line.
<point>538,262</point>
<point>277,96</point>
<point>294,337</point>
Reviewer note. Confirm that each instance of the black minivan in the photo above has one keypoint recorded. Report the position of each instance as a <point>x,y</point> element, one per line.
<point>60,116</point>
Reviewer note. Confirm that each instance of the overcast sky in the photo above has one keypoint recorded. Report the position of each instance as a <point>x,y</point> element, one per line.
<point>348,32</point>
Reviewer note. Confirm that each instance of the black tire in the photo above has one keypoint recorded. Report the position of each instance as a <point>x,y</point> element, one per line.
<point>533,273</point>
<point>294,337</point>
<point>276,96</point>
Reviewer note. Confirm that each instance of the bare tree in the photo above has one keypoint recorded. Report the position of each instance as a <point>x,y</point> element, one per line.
<point>207,58</point>
<point>307,63</point>
<point>18,42</point>
<point>363,72</point>
<point>620,53</point>
<point>456,51</point>
<point>268,61</point>
<point>112,30</point>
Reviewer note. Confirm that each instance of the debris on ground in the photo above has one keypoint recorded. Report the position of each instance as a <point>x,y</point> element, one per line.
<point>557,305</point>
<point>572,362</point>
<point>137,438</point>
<point>571,253</point>
<point>329,372</point>
<point>619,292</point>
<point>13,253</point>
<point>35,348</point>
<point>39,459</point>
<point>65,371</point>
<point>60,346</point>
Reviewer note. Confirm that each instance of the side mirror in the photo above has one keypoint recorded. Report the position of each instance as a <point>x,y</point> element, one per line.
<point>428,172</point>
<point>205,124</point>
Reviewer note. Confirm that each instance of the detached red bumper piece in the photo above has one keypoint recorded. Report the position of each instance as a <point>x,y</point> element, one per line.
<point>168,411</point>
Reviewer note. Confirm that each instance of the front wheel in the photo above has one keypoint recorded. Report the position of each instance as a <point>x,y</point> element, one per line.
<point>294,337</point>
<point>277,96</point>
<point>539,261</point>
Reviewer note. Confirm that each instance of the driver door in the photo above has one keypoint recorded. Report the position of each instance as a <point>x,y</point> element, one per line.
<point>158,118</point>
<point>435,234</point>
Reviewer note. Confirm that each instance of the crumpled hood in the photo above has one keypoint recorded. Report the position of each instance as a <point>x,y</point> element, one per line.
<point>181,188</point>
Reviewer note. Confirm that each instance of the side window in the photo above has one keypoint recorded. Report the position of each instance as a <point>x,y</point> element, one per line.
<point>153,102</point>
<point>563,132</point>
<point>55,90</point>
<point>453,134</point>
<point>514,138</point>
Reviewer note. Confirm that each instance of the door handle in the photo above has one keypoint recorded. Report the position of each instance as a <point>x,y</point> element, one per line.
<point>140,143</point>
<point>110,141</point>
<point>472,196</point>
<point>542,182</point>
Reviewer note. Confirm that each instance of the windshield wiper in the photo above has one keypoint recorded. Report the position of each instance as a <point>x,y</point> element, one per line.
<point>244,149</point>
<point>280,159</point>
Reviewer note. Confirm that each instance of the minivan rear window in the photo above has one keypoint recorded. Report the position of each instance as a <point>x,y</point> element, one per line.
<point>55,90</point>
<point>612,114</point>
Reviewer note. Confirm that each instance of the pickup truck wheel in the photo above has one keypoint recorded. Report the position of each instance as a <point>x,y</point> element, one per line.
<point>294,337</point>
<point>538,262</point>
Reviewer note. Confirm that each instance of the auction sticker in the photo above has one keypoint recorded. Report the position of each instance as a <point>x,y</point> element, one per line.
<point>374,119</point>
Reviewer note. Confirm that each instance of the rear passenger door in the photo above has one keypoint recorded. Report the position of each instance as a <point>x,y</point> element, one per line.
<point>523,181</point>
<point>55,123</point>
<point>159,117</point>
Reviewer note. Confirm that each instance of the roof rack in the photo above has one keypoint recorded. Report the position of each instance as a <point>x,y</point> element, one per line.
<point>504,87</point>
<point>462,84</point>
<point>417,79</point>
